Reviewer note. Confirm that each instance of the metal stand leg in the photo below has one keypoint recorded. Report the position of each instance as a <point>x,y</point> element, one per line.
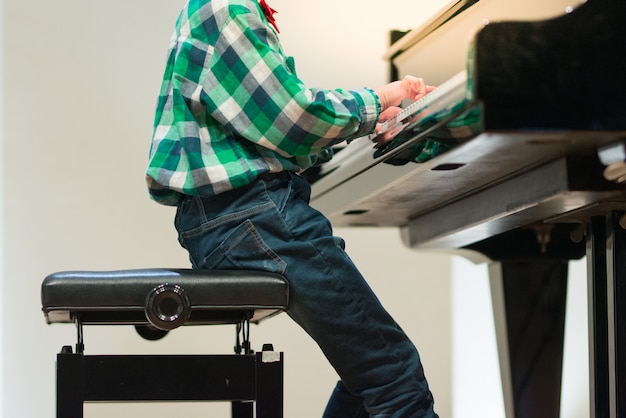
<point>606,265</point>
<point>617,333</point>
<point>529,310</point>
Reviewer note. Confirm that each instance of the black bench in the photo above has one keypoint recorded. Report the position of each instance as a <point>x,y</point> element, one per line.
<point>157,301</point>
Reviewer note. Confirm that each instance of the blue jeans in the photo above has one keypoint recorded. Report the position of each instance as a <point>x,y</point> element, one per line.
<point>270,226</point>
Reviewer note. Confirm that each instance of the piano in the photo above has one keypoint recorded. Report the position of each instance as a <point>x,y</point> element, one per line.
<point>518,159</point>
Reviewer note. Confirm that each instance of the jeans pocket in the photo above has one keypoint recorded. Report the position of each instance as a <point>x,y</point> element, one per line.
<point>244,249</point>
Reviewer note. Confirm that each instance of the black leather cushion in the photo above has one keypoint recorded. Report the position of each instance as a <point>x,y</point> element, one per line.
<point>120,297</point>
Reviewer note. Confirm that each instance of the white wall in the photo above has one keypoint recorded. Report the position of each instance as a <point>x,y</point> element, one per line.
<point>474,355</point>
<point>80,83</point>
<point>2,176</point>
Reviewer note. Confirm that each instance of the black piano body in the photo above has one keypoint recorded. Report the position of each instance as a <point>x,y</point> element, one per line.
<point>519,157</point>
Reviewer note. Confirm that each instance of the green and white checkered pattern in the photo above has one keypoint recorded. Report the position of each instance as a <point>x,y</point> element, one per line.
<point>231,106</point>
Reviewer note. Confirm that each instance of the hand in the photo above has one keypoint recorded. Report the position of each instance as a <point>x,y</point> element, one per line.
<point>411,88</point>
<point>415,88</point>
<point>389,134</point>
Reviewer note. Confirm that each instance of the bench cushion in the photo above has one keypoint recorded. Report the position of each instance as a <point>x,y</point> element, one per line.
<point>120,297</point>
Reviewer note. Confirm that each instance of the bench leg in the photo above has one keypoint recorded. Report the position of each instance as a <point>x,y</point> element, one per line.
<point>242,409</point>
<point>269,383</point>
<point>69,382</point>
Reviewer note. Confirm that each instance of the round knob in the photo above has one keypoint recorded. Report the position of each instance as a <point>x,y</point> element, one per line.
<point>167,307</point>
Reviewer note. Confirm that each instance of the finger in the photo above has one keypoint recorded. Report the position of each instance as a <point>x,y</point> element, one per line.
<point>426,90</point>
<point>389,113</point>
<point>420,87</point>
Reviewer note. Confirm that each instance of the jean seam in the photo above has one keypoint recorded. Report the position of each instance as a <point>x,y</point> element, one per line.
<point>250,230</point>
<point>279,209</point>
<point>206,225</point>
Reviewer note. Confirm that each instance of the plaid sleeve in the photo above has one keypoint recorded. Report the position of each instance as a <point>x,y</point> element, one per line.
<point>249,88</point>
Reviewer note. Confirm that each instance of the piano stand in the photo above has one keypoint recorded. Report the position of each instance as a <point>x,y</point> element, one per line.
<point>529,315</point>
<point>529,308</point>
<point>606,267</point>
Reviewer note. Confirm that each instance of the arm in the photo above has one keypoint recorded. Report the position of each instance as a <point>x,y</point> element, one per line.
<point>251,89</point>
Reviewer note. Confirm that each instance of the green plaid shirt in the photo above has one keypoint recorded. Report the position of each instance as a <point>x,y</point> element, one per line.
<point>231,106</point>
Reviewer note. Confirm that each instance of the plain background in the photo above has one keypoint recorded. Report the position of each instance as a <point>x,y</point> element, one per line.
<point>78,83</point>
